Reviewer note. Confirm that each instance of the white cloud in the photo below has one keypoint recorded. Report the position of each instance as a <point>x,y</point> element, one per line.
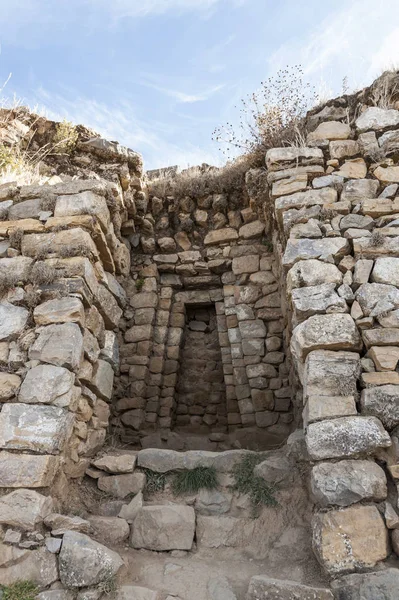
<point>356,41</point>
<point>184,97</point>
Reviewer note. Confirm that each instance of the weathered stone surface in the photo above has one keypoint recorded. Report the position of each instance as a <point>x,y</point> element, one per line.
<point>348,481</point>
<point>56,594</point>
<point>163,528</point>
<point>329,332</point>
<point>385,358</point>
<point>62,523</point>
<point>114,151</point>
<point>353,169</point>
<point>262,587</point>
<point>357,190</point>
<point>212,502</point>
<point>377,298</point>
<point>383,336</point>
<point>27,470</point>
<point>251,230</point>
<point>83,203</point>
<point>130,511</point>
<point>110,530</point>
<point>43,429</point>
<point>382,402</point>
<point>387,175</point>
<point>12,320</point>
<point>134,592</point>
<point>102,380</point>
<point>64,310</point>
<point>343,148</point>
<point>345,437</point>
<point>252,329</point>
<point>84,562</point>
<point>318,408</point>
<point>245,264</point>
<point>24,509</point>
<point>121,486</point>
<point>305,249</point>
<point>350,539</point>
<point>329,373</point>
<point>220,236</point>
<point>162,461</point>
<point>386,270</point>
<point>311,273</point>
<point>281,158</point>
<point>38,566</point>
<point>108,307</point>
<point>301,200</point>
<point>70,241</point>
<point>219,589</point>
<point>60,345</point>
<point>317,299</point>
<point>377,119</point>
<point>9,385</point>
<point>110,350</point>
<point>223,531</point>
<point>330,130</point>
<point>276,469</point>
<point>290,185</point>
<point>116,463</point>
<point>382,585</point>
<point>365,247</point>
<point>47,384</point>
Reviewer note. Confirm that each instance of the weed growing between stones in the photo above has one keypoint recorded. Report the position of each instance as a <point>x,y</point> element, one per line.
<point>246,482</point>
<point>66,138</point>
<point>139,284</point>
<point>20,590</point>
<point>7,282</point>
<point>193,480</point>
<point>155,482</point>
<point>109,586</point>
<point>377,238</point>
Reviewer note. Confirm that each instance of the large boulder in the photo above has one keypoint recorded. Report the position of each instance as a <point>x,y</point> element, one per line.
<point>84,562</point>
<point>351,539</point>
<point>348,481</point>
<point>345,437</point>
<point>62,310</point>
<point>47,384</point>
<point>329,373</point>
<point>83,203</point>
<point>312,272</point>
<point>382,585</point>
<point>377,118</point>
<point>43,429</point>
<point>318,299</point>
<point>24,509</point>
<point>262,587</point>
<point>323,249</point>
<point>162,528</point>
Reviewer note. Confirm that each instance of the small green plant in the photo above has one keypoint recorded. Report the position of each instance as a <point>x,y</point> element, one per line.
<point>246,482</point>
<point>66,138</point>
<point>155,482</point>
<point>268,244</point>
<point>190,481</point>
<point>20,590</point>
<point>139,284</point>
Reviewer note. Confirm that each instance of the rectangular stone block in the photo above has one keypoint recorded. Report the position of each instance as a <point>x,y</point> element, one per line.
<point>27,470</point>
<point>318,408</point>
<point>42,429</point>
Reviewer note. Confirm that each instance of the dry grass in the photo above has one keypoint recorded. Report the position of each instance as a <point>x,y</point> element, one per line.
<point>77,250</point>
<point>7,282</point>
<point>15,237</point>
<point>42,274</point>
<point>377,238</point>
<point>199,182</point>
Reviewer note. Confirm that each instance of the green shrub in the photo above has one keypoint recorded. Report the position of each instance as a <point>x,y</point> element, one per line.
<point>20,590</point>
<point>190,481</point>
<point>65,138</point>
<point>246,482</point>
<point>139,284</point>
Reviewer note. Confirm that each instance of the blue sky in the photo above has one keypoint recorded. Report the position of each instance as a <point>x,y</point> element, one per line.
<point>160,75</point>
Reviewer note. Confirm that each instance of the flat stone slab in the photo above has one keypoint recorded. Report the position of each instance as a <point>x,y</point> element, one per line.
<point>163,528</point>
<point>162,461</point>
<point>262,587</point>
<point>116,463</point>
<point>47,384</point>
<point>383,585</point>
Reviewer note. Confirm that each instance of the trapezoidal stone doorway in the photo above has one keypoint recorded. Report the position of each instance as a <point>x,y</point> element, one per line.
<point>200,392</point>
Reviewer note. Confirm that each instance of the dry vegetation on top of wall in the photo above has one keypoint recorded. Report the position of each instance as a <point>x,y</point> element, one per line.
<point>197,182</point>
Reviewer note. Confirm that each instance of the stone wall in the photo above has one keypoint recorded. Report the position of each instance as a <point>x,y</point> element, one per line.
<point>195,252</point>
<point>336,207</point>
<point>61,250</point>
